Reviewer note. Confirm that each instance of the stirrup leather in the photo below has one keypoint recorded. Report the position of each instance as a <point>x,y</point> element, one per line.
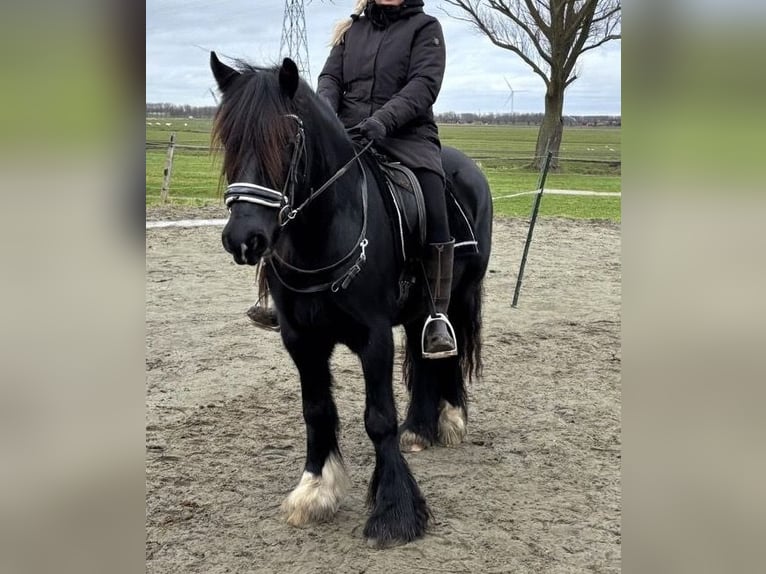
<point>439,354</point>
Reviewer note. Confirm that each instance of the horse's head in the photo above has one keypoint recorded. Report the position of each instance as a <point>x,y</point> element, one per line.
<point>264,153</point>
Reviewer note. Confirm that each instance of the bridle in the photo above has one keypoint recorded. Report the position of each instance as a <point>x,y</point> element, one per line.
<point>243,192</point>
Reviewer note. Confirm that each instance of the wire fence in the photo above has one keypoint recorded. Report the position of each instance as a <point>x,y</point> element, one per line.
<point>207,178</point>
<point>616,160</point>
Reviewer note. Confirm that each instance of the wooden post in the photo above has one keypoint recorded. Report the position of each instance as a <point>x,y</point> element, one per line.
<point>168,169</point>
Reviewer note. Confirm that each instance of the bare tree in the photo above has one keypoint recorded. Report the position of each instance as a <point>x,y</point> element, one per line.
<point>550,36</point>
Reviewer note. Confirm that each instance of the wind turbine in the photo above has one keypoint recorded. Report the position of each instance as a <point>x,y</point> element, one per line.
<point>510,97</point>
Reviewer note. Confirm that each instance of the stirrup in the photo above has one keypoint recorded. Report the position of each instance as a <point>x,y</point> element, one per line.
<point>438,354</point>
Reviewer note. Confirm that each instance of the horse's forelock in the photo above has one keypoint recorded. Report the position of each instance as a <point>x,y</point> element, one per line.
<point>251,123</point>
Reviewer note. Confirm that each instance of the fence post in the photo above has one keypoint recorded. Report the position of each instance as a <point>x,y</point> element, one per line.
<point>168,169</point>
<point>535,209</point>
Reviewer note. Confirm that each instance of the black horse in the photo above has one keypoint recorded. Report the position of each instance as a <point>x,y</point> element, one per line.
<point>302,201</point>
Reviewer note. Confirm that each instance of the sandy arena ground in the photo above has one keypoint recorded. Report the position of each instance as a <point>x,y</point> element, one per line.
<point>535,487</point>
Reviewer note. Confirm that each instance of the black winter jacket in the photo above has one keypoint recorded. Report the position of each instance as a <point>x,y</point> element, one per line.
<point>392,71</point>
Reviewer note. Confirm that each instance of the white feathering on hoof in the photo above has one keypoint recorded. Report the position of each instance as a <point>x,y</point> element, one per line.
<point>411,442</point>
<point>452,429</point>
<point>317,498</point>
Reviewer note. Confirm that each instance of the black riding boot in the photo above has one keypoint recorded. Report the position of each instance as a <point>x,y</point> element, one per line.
<point>263,313</point>
<point>438,334</point>
<point>264,317</point>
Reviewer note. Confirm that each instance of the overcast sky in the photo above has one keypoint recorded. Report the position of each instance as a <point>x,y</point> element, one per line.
<point>181,33</point>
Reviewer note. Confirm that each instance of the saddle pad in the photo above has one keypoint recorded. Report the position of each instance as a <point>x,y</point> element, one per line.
<point>406,209</point>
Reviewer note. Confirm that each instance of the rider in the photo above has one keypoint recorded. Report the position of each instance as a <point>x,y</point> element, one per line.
<point>383,75</point>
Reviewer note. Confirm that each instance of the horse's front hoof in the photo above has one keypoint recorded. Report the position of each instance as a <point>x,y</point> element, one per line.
<point>317,497</point>
<point>452,428</point>
<point>381,544</point>
<point>388,531</point>
<point>397,521</point>
<point>412,442</point>
<point>310,502</point>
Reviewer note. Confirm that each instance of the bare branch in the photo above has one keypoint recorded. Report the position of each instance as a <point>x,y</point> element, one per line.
<point>536,16</point>
<point>607,15</point>
<point>531,33</point>
<point>601,42</point>
<point>499,35</point>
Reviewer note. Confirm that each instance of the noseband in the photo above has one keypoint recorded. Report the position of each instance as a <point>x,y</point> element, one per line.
<point>283,201</point>
<point>267,196</point>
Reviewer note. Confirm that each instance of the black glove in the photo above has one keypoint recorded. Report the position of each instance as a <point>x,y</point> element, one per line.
<point>372,129</point>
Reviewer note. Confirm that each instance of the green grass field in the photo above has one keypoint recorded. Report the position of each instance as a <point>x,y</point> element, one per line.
<point>502,152</point>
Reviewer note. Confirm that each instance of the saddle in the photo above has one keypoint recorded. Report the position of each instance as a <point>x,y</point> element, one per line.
<point>405,205</point>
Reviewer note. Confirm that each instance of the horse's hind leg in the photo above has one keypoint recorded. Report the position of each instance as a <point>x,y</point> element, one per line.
<point>466,316</point>
<point>419,430</point>
<point>452,407</point>
<point>324,480</point>
<point>437,409</point>
<point>399,512</point>
<point>465,313</point>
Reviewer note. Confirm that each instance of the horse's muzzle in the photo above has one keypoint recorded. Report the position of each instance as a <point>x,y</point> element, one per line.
<point>246,249</point>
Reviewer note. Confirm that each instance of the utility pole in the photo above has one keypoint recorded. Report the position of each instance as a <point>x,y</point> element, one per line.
<point>294,44</point>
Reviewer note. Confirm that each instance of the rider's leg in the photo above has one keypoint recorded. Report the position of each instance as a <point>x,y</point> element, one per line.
<point>438,340</point>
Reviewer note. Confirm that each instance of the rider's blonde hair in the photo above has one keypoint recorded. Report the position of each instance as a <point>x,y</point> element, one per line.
<point>343,25</point>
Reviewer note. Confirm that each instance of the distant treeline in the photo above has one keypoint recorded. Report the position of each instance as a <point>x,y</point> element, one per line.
<point>166,110</point>
<point>175,111</point>
<point>522,119</point>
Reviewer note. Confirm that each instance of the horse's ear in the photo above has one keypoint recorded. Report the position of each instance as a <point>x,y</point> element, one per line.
<point>223,74</point>
<point>288,77</point>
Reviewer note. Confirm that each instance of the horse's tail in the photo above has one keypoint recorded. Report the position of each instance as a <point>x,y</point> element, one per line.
<point>465,315</point>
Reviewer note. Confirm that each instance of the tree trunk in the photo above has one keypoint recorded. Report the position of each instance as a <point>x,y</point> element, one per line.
<point>552,128</point>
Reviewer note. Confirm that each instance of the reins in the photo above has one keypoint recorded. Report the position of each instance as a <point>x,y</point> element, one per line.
<point>271,198</point>
<point>294,212</point>
<point>351,272</point>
